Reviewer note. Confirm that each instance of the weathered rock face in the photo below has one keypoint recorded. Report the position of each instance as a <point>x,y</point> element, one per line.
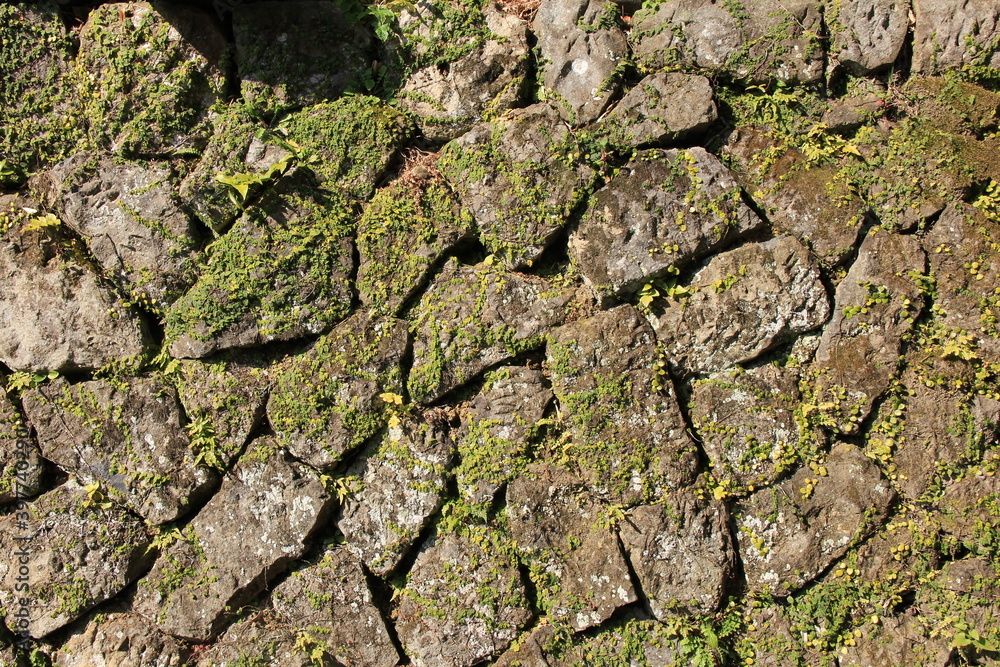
<point>495,434</point>
<point>451,92</point>
<point>77,554</point>
<point>559,525</point>
<point>55,313</point>
<point>146,77</point>
<point>868,35</point>
<point>120,638</point>
<point>402,234</point>
<point>131,221</point>
<point>330,400</point>
<point>264,639</point>
<point>582,50</point>
<point>682,554</point>
<point>559,394</point>
<point>791,532</point>
<point>284,56</point>
<point>341,617</point>
<point>225,399</point>
<point>801,199</point>
<point>966,269</point>
<point>664,107</point>
<point>282,272</point>
<point>750,427</point>
<point>21,465</point>
<point>132,442</point>
<point>951,34</point>
<point>755,41</point>
<point>249,531</point>
<point>727,319</point>
<point>472,317</point>
<point>464,600</point>
<point>665,210</point>
<point>347,144</point>
<point>398,484</point>
<point>34,100</point>
<point>875,304</point>
<point>628,436</point>
<point>512,175</point>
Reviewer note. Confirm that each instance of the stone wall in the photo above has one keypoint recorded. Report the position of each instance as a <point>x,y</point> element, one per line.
<point>463,333</point>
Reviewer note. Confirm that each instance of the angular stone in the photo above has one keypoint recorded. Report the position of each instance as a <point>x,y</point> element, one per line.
<point>802,200</point>
<point>930,428</point>
<point>281,273</point>
<point>581,52</point>
<point>225,399</point>
<point>952,33</point>
<point>513,175</point>
<point>742,304</point>
<point>119,637</point>
<point>21,464</point>
<point>55,315</point>
<point>867,36</point>
<point>664,107</point>
<point>147,76</point>
<point>35,53</point>
<point>450,96</point>
<point>348,143</point>
<point>473,317</point>
<point>628,436</point>
<point>876,303</point>
<point>266,639</point>
<point>529,651</point>
<point>327,402</point>
<point>80,554</point>
<point>496,431</point>
<point>748,426</point>
<point>682,554</point>
<point>238,145</point>
<point>664,211</point>
<point>331,601</point>
<point>403,233</point>
<point>791,532</point>
<point>131,220</point>
<point>964,508</point>
<point>966,271</point>
<point>293,54</point>
<point>257,523</point>
<point>131,440</point>
<point>754,41</point>
<point>464,600</point>
<point>898,640</point>
<point>583,576</point>
<point>633,639</point>
<point>402,484</point>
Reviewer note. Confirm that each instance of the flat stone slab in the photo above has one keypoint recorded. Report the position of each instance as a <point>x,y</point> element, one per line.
<point>330,600</point>
<point>77,554</point>
<point>464,600</point>
<point>55,313</point>
<point>513,175</point>
<point>132,440</point>
<point>328,401</point>
<point>875,304</point>
<point>556,523</point>
<point>628,438</point>
<point>472,317</point>
<point>663,212</point>
<point>252,528</point>
<point>400,482</point>
<point>664,107</point>
<point>788,534</point>
<point>742,304</point>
